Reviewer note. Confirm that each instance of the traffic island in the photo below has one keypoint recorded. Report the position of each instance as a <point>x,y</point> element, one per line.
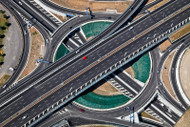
<point>185,72</point>
<point>37,50</point>
<point>165,75</point>
<point>106,96</point>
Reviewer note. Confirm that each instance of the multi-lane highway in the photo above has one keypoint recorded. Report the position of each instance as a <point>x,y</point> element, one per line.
<point>73,73</point>
<point>94,55</point>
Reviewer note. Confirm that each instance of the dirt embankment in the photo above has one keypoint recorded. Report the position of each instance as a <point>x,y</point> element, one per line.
<point>36,51</point>
<point>94,6</point>
<point>107,89</point>
<point>165,75</point>
<point>184,121</point>
<point>166,44</point>
<point>180,33</point>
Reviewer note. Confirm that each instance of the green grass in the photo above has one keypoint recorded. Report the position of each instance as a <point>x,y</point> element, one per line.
<point>142,68</point>
<point>97,101</point>
<point>94,28</point>
<point>62,51</point>
<point>1,59</point>
<point>4,79</point>
<point>34,33</point>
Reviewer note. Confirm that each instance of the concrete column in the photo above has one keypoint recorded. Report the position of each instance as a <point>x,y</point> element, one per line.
<point>186,20</point>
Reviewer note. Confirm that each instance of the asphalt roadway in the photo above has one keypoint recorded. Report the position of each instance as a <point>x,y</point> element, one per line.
<point>129,33</point>
<point>78,118</point>
<point>26,41</point>
<point>37,14</point>
<point>185,43</point>
<point>162,89</point>
<point>41,88</point>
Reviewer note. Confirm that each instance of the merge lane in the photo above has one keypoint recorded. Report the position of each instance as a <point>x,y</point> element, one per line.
<point>76,83</point>
<point>128,33</point>
<point>48,24</point>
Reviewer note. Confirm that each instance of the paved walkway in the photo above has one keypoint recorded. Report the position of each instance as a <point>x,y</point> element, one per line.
<point>13,45</point>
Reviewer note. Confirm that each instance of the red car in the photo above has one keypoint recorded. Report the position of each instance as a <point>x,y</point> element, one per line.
<point>84,58</point>
<point>82,110</point>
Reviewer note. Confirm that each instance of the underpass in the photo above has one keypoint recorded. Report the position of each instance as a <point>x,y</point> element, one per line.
<point>113,56</point>
<point>101,65</point>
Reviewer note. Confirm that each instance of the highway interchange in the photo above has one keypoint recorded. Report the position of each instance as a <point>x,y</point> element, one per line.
<point>42,93</point>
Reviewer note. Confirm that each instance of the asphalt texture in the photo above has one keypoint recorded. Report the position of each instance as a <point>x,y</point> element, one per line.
<point>81,64</point>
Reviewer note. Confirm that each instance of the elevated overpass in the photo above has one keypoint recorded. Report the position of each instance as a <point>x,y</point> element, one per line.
<point>101,59</point>
<point>91,42</point>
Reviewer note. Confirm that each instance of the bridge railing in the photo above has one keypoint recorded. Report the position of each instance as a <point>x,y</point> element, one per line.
<point>106,72</point>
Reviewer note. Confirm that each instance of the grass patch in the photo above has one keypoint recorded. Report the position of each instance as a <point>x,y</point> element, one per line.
<point>142,68</point>
<point>94,28</point>
<point>97,101</point>
<point>34,33</point>
<point>4,79</point>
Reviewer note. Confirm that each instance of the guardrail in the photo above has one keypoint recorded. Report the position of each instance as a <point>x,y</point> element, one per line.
<point>72,55</point>
<point>106,72</point>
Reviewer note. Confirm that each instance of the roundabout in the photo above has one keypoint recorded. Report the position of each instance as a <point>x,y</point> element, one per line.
<point>104,96</point>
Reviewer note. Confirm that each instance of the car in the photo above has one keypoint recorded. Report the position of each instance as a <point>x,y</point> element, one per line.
<point>84,58</point>
<point>4,86</point>
<point>82,110</point>
<point>24,117</point>
<point>131,28</point>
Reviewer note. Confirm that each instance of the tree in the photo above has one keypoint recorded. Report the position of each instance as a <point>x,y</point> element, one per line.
<point>2,27</point>
<point>6,17</point>
<point>1,11</point>
<point>2,36</point>
<point>7,24</point>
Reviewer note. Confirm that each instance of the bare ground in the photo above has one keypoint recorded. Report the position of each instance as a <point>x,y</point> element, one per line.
<point>130,71</point>
<point>94,6</point>
<point>180,33</point>
<point>107,89</point>
<point>158,5</point>
<point>164,45</point>
<point>4,79</point>
<point>165,75</point>
<point>184,121</point>
<point>144,114</point>
<point>185,73</point>
<point>90,38</point>
<point>35,52</point>
<point>63,19</point>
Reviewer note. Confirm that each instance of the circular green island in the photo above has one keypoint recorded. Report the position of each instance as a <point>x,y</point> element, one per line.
<point>95,100</point>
